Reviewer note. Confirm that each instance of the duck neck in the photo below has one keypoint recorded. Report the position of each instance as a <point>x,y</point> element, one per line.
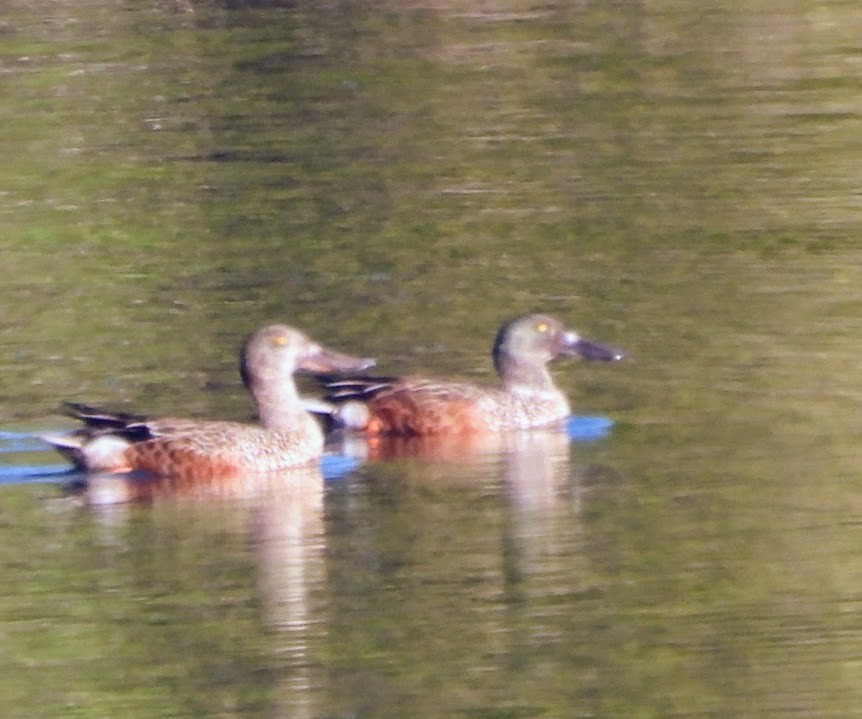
<point>278,404</point>
<point>525,378</point>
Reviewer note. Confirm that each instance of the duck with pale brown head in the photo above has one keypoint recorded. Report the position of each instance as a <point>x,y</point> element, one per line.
<point>287,435</point>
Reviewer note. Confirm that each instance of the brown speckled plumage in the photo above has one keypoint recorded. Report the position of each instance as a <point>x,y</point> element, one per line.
<point>411,406</point>
<point>187,449</point>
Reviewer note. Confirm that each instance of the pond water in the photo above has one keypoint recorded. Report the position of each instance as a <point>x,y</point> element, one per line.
<point>680,180</point>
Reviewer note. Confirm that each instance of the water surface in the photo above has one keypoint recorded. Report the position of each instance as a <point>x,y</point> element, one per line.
<point>398,179</point>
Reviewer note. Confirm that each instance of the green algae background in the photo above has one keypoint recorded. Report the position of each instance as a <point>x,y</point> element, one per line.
<point>397,178</point>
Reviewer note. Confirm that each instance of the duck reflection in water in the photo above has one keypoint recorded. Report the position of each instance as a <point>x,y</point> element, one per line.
<point>281,516</point>
<point>533,466</point>
<point>101,489</point>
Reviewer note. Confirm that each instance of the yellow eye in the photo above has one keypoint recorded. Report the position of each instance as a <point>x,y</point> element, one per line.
<point>542,327</point>
<point>279,340</point>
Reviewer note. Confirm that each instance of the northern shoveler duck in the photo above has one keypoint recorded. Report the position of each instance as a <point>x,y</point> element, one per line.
<point>412,406</point>
<point>188,448</point>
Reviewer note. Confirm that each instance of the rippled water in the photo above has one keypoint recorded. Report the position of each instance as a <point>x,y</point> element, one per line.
<point>678,180</point>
